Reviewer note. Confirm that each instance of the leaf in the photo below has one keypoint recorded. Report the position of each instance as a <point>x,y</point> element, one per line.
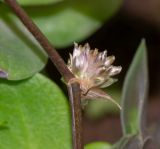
<point>36,114</point>
<point>38,2</point>
<point>98,145</point>
<point>135,91</point>
<point>20,54</point>
<point>72,20</point>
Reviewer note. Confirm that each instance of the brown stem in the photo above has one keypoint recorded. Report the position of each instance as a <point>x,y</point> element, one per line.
<point>75,98</point>
<point>73,88</point>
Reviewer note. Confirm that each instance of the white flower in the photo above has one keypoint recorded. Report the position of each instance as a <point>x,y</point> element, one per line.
<point>92,69</point>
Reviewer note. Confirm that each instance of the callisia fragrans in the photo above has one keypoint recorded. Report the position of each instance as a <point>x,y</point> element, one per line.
<point>94,71</point>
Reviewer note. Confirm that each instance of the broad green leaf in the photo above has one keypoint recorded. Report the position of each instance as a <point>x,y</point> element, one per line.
<point>34,114</point>
<point>98,145</point>
<point>134,93</point>
<point>72,20</point>
<point>20,55</point>
<point>38,2</point>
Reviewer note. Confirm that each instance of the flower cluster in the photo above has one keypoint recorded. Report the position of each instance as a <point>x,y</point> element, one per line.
<point>92,69</point>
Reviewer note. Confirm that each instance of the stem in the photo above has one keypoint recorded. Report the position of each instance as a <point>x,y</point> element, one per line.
<point>75,94</point>
<point>73,88</point>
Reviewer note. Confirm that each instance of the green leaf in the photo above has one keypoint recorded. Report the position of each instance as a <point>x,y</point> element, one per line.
<point>38,2</point>
<point>135,91</point>
<point>72,20</point>
<point>20,55</point>
<point>98,145</point>
<point>36,115</point>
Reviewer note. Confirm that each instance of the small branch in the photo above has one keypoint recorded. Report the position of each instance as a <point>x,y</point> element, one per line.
<point>40,37</point>
<point>73,89</point>
<point>74,93</point>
